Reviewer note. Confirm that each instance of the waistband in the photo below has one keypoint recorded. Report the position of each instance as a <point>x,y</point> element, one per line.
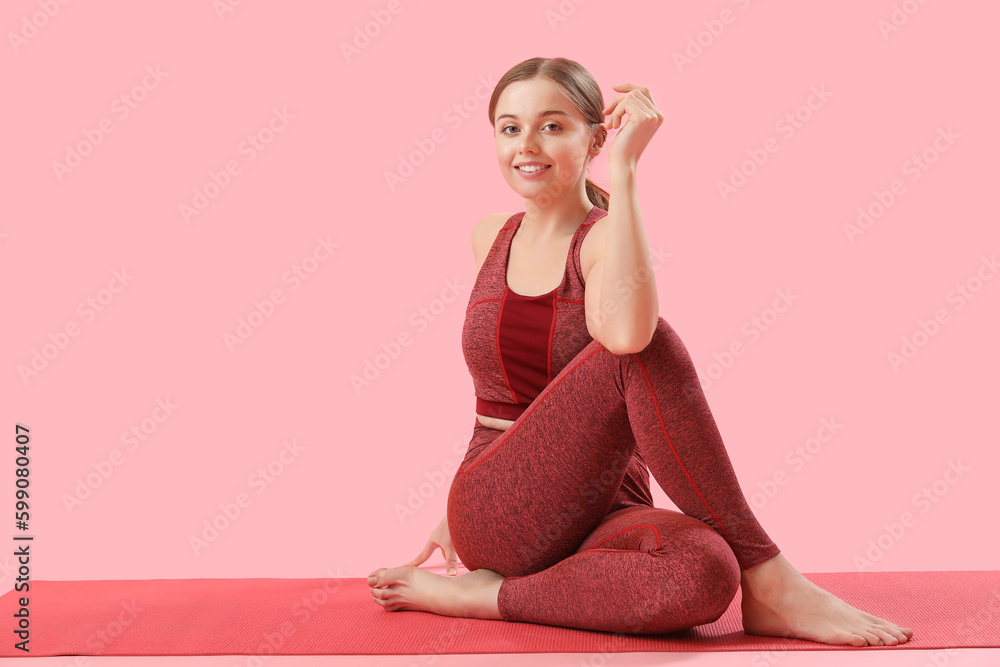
<point>499,410</point>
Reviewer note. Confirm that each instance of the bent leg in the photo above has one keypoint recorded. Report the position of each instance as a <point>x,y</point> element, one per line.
<point>526,498</point>
<point>680,442</point>
<point>643,570</point>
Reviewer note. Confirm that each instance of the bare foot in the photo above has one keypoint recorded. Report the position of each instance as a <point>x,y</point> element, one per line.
<point>471,595</point>
<point>779,602</point>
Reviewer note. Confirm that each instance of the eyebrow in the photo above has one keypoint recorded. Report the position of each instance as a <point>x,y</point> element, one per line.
<point>541,114</point>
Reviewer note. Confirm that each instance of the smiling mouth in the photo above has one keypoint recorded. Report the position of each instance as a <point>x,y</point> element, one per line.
<point>533,169</point>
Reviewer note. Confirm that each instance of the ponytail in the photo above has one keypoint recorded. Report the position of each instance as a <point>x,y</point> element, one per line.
<point>597,195</point>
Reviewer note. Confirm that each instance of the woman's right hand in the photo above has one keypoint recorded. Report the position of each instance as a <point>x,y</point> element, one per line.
<point>440,538</point>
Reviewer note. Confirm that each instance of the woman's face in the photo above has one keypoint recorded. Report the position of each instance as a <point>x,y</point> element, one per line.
<point>559,140</point>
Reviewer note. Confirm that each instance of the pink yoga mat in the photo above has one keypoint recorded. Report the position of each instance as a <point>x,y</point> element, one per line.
<point>338,616</point>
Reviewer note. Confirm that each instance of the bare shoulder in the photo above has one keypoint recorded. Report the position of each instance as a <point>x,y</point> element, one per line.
<point>484,233</point>
<point>592,246</point>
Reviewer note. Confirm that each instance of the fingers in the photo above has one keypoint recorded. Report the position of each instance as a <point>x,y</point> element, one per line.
<point>635,92</point>
<point>637,101</point>
<point>611,105</point>
<point>615,110</point>
<point>423,555</point>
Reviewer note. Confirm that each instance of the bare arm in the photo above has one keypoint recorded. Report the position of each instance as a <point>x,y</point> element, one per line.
<point>621,300</point>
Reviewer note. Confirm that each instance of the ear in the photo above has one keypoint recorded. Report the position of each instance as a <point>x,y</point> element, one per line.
<point>600,138</point>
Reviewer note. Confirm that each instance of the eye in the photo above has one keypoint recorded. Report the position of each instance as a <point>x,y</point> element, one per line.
<point>504,129</point>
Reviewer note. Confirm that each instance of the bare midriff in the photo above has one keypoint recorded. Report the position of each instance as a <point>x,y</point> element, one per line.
<point>494,422</point>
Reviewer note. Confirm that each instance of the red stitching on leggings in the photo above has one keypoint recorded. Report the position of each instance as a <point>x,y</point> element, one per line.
<point>534,404</point>
<point>623,530</point>
<point>677,456</point>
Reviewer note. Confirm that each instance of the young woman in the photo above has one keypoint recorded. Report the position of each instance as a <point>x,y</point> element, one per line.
<point>581,390</point>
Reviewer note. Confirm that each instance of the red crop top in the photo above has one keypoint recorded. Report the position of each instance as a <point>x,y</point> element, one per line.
<point>513,344</point>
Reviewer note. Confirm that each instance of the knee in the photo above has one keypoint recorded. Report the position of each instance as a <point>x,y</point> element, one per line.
<point>708,581</point>
<point>663,330</point>
<point>662,334</point>
<point>663,341</point>
<point>715,579</point>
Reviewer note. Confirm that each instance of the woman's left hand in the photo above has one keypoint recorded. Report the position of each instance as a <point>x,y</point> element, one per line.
<point>642,122</point>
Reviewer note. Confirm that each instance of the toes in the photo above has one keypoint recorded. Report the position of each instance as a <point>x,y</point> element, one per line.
<point>887,638</point>
<point>385,597</point>
<point>871,638</point>
<point>897,633</point>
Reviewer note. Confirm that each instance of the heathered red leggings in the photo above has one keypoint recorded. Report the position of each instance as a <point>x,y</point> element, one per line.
<point>532,502</point>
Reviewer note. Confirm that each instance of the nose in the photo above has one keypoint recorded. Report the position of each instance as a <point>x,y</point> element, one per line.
<point>528,141</point>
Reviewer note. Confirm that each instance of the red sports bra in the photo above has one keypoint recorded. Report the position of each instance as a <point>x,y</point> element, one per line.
<point>513,344</point>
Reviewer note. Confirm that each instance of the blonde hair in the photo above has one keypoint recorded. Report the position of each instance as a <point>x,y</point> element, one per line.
<point>579,86</point>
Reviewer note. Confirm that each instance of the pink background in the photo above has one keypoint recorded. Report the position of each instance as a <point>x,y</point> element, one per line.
<point>332,508</point>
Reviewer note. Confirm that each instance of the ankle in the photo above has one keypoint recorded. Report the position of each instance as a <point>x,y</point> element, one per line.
<point>769,578</point>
